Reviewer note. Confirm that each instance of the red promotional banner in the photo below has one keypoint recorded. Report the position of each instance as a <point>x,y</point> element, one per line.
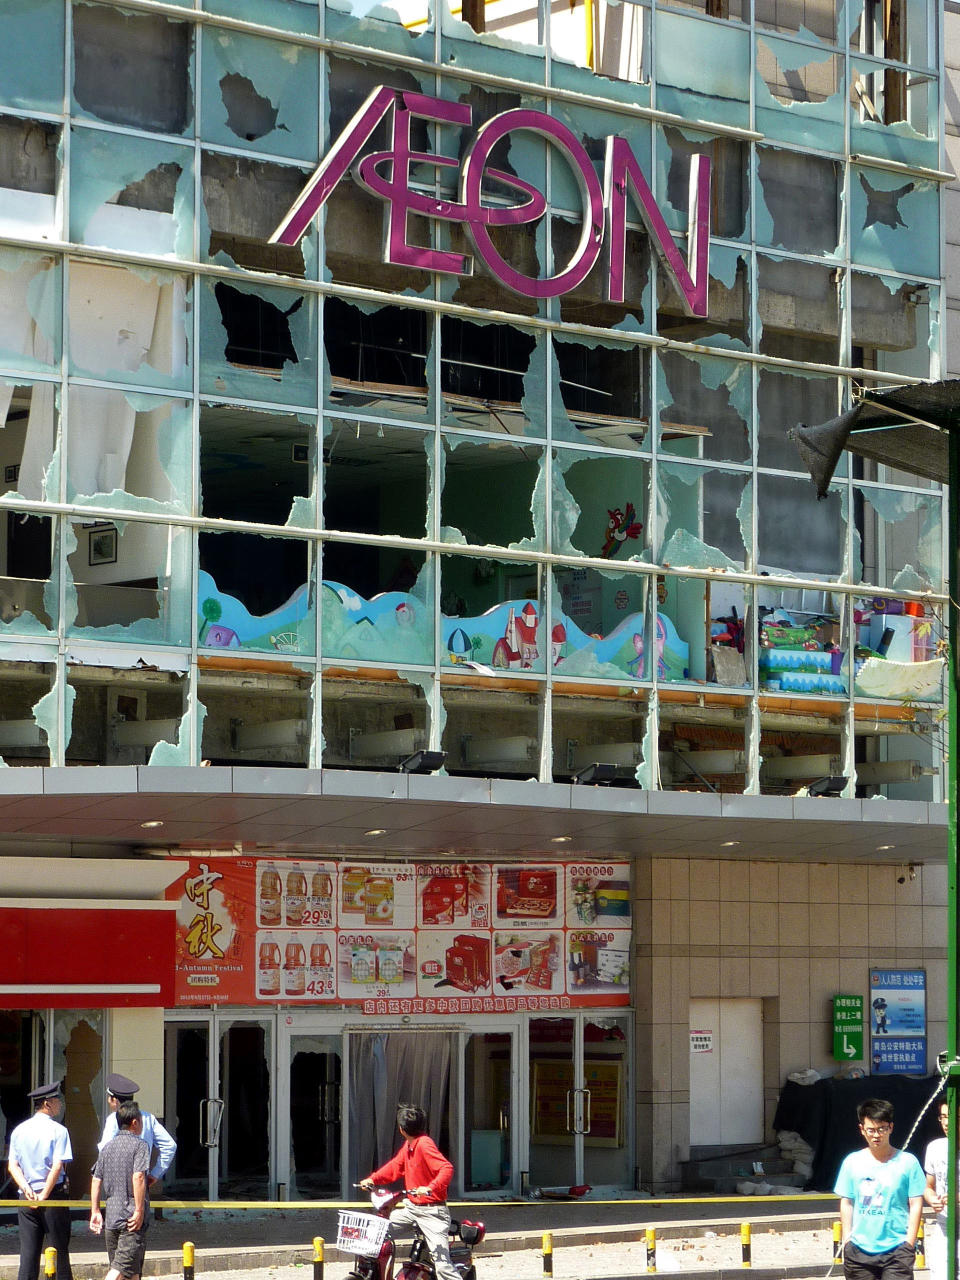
<point>403,937</point>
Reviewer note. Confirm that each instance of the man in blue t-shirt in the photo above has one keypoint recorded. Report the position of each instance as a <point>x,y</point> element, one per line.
<point>881,1193</point>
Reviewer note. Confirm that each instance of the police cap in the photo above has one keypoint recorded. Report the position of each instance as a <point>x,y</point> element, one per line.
<point>45,1091</point>
<point>121,1087</point>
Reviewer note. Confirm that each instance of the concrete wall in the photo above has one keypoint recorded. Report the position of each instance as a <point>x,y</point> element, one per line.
<point>792,934</point>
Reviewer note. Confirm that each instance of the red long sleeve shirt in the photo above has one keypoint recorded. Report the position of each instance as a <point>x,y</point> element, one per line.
<point>419,1163</point>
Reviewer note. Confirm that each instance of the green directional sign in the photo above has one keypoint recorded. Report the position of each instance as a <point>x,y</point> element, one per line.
<point>847,1028</point>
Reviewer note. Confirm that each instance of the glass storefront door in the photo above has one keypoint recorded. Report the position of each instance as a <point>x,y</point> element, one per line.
<point>311,1105</point>
<point>488,1109</point>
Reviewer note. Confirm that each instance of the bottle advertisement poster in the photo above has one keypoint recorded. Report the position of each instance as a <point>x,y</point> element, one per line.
<point>403,937</point>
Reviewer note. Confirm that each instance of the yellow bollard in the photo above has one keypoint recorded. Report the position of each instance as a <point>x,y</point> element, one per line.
<point>548,1253</point>
<point>188,1260</point>
<point>50,1261</point>
<point>651,1235</point>
<point>837,1240</point>
<point>921,1261</point>
<point>745,1244</point>
<point>318,1258</point>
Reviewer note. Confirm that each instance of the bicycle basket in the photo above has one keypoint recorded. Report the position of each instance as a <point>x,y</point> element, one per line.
<point>361,1233</point>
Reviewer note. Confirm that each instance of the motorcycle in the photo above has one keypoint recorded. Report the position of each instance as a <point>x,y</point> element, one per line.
<point>367,1236</point>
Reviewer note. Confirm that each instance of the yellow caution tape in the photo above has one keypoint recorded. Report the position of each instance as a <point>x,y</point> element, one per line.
<point>287,1205</point>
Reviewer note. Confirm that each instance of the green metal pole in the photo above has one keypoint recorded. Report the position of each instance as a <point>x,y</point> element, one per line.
<point>953,739</point>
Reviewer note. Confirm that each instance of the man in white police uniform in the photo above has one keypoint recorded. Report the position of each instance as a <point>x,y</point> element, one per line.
<point>162,1146</point>
<point>39,1150</point>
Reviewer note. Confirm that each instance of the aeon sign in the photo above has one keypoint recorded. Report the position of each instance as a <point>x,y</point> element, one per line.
<point>386,174</point>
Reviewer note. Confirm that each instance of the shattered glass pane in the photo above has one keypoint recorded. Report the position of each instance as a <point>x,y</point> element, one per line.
<point>131,193</point>
<point>894,322</point>
<point>898,531</point>
<point>128,451</point>
<point>132,69</point>
<point>491,615</point>
<point>807,20</point>
<point>377,359</point>
<point>29,169</point>
<point>483,376</point>
<point>244,201</point>
<point>78,1054</point>
<point>791,759</point>
<point>784,400</point>
<point>400,26</point>
<point>29,436</point>
<point>269,722</point>
<point>714,87</point>
<point>799,93</point>
<point>376,479</point>
<point>496,735</point>
<point>799,308</point>
<point>598,629</point>
<point>258,343</point>
<point>256,465</point>
<point>729,180</point>
<point>707,400</point>
<point>373,723</point>
<point>786,504</point>
<point>882,203</point>
<point>30,310</point>
<point>729,10</point>
<point>28,587</point>
<point>22,686</point>
<point>601,394</point>
<point>301,17</point>
<point>727,323</point>
<point>700,511</point>
<point>260,93</point>
<point>587,731</point>
<point>121,716</point>
<point>609,37</point>
<point>487,496</point>
<point>129,582</point>
<point>377,604</point>
<point>804,647</point>
<point>256,593</point>
<point>898,113</point>
<point>799,201</point>
<point>707,758</point>
<point>31,55</point>
<point>130,325</point>
<point>584,485</point>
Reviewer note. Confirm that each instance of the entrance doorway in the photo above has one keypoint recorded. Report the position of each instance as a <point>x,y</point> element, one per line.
<point>579,1086</point>
<point>726,1072</point>
<point>217,1106</point>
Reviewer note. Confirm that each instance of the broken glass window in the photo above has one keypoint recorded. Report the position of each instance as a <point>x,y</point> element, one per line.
<point>244,202</point>
<point>603,394</point>
<point>376,479</point>
<point>377,359</point>
<point>28,587</point>
<point>30,307</point>
<point>491,614</point>
<point>128,451</point>
<point>701,628</point>
<point>260,94</point>
<point>488,492</point>
<point>803,642</point>
<point>31,55</point>
<point>258,343</point>
<point>22,685</point>
<point>588,731</point>
<point>29,169</point>
<point>901,760</point>
<point>301,17</point>
<point>483,373</point>
<point>894,323</point>
<point>256,719</point>
<point>256,593</point>
<point>784,400</point>
<point>729,180</point>
<point>799,93</point>
<point>898,530</point>
<point>255,465</point>
<point>121,716</point>
<point>373,723</point>
<point>714,87</point>
<point>799,308</point>
<point>29,436</point>
<point>799,205</point>
<point>599,628</point>
<point>130,325</point>
<point>609,37</point>
<point>727,323</point>
<point>702,512</point>
<point>708,757</point>
<point>129,582</point>
<point>131,193</point>
<point>707,400</point>
<point>786,504</point>
<point>729,10</point>
<point>881,204</point>
<point>78,1056</point>
<point>818,20</point>
<point>132,69</point>
<point>377,604</point>
<point>492,733</point>
<point>895,113</point>
<point>794,756</point>
<point>584,485</point>
<point>402,26</point>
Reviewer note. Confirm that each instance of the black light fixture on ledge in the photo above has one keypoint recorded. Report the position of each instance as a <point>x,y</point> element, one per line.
<point>832,787</point>
<point>596,775</point>
<point>423,762</point>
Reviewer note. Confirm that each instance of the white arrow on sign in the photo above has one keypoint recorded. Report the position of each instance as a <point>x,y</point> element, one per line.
<point>849,1051</point>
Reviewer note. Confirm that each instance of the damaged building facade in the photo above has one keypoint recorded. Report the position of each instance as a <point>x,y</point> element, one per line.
<point>379,379</point>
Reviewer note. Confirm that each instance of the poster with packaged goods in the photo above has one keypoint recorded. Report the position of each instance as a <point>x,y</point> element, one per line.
<point>402,937</point>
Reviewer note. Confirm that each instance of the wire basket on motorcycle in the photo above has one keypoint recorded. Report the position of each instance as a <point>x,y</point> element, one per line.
<point>361,1233</point>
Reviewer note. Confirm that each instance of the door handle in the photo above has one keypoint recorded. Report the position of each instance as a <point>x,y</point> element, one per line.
<point>211,1115</point>
<point>588,1114</point>
<point>570,1128</point>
